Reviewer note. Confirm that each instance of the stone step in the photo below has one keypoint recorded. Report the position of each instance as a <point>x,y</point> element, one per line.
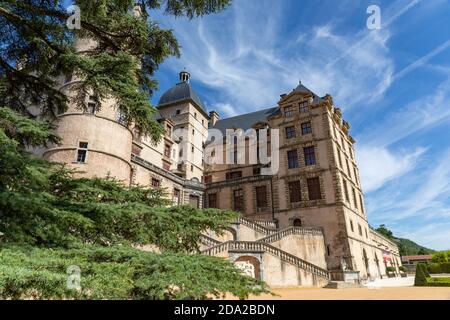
<point>342,285</point>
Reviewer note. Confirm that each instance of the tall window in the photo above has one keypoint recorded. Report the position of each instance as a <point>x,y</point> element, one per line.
<point>176,196</point>
<point>340,158</point>
<point>348,168</point>
<point>303,107</point>
<point>289,111</point>
<point>290,132</point>
<point>351,226</point>
<point>156,183</point>
<point>360,230</point>
<point>356,174</point>
<point>292,159</point>
<point>295,193</point>
<point>82,152</point>
<point>314,189</point>
<point>212,200</point>
<point>121,118</point>
<point>355,203</point>
<point>347,197</point>
<point>167,150</point>
<point>92,105</point>
<point>261,197</point>
<point>361,203</point>
<point>306,128</point>
<point>310,156</point>
<point>238,200</point>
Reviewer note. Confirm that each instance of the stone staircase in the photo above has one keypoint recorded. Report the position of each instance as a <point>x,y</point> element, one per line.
<point>255,246</point>
<point>263,245</point>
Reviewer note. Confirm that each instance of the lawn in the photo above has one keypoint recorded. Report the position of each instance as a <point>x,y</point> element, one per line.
<point>439,282</point>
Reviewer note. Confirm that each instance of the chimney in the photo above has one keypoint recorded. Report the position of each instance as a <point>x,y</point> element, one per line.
<point>214,117</point>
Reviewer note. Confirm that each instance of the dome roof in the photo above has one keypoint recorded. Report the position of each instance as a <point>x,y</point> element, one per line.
<point>180,92</point>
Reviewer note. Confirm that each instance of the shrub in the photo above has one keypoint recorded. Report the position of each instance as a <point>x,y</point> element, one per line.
<point>439,267</point>
<point>438,282</point>
<point>403,269</point>
<point>118,273</point>
<point>390,269</point>
<point>420,279</point>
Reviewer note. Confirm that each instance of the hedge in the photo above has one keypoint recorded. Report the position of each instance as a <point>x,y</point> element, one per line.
<point>443,267</point>
<point>438,282</point>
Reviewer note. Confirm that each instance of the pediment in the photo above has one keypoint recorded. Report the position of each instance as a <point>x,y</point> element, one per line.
<point>294,96</point>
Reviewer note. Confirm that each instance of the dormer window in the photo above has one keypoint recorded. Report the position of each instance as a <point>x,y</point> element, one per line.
<point>288,111</point>
<point>304,106</point>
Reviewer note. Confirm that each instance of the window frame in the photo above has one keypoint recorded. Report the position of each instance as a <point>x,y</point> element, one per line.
<point>311,192</point>
<point>293,160</point>
<point>310,155</point>
<point>80,148</point>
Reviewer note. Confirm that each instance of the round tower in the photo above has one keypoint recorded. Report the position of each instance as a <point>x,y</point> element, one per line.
<point>95,142</point>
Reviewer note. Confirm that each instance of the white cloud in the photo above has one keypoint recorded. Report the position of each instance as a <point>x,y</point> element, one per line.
<point>379,166</point>
<point>247,56</point>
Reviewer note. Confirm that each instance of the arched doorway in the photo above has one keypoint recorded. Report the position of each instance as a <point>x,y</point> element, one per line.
<point>249,266</point>
<point>297,222</point>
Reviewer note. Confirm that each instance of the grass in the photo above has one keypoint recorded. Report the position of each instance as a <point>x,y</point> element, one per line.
<point>438,282</point>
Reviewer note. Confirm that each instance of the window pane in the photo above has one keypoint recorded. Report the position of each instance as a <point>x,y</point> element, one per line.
<point>81,156</point>
<point>314,189</point>
<point>290,132</point>
<point>310,157</point>
<point>295,194</point>
<point>292,159</point>
<point>212,200</point>
<point>261,197</point>
<point>306,128</point>
<point>238,200</point>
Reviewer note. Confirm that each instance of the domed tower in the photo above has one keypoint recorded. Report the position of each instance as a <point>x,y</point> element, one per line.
<point>183,106</point>
<point>95,142</point>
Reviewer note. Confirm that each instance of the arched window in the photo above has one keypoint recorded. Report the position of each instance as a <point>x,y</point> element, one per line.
<point>297,223</point>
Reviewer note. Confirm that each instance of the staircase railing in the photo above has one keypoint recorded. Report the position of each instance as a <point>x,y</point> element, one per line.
<point>291,231</point>
<point>208,241</point>
<point>251,246</point>
<point>256,226</point>
<point>265,223</point>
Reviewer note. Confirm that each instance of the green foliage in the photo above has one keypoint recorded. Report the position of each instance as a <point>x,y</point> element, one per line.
<point>443,267</point>
<point>390,269</point>
<point>406,247</point>
<point>118,273</point>
<point>421,278</point>
<point>403,269</point>
<point>438,282</point>
<point>38,48</point>
<point>51,220</point>
<point>441,257</point>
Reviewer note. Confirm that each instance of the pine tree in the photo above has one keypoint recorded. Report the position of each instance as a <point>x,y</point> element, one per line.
<point>48,218</point>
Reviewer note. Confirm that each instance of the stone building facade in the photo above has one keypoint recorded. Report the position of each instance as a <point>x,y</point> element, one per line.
<point>307,219</point>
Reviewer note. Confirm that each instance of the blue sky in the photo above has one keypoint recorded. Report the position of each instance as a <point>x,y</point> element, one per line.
<point>393,85</point>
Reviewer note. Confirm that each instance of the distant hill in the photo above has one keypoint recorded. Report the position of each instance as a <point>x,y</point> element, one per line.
<point>406,246</point>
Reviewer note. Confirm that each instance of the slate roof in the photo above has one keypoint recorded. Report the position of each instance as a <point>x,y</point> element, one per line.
<point>301,88</point>
<point>245,121</point>
<point>181,92</point>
